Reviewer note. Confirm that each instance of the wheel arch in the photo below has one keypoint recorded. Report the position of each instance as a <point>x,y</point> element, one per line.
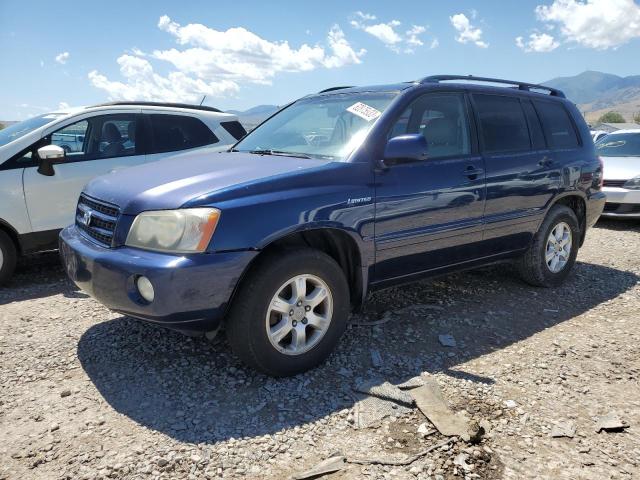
<point>339,244</point>
<point>578,204</point>
<point>12,233</point>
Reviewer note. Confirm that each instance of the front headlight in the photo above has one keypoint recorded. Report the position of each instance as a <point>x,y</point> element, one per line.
<point>633,184</point>
<point>180,231</point>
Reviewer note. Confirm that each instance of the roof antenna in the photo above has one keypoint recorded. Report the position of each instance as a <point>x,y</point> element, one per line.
<point>203,100</point>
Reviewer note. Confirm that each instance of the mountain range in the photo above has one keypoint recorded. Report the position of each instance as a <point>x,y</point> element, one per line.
<point>596,93</point>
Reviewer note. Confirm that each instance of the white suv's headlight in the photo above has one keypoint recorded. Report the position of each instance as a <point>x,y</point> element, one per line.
<point>633,184</point>
<point>180,231</point>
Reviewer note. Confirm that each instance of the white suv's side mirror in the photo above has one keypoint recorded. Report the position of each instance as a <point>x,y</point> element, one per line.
<point>48,155</point>
<point>51,152</point>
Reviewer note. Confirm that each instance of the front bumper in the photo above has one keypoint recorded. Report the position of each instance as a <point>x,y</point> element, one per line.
<point>191,291</point>
<point>621,202</point>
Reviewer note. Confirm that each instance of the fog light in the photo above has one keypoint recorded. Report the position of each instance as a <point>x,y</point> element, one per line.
<point>145,288</point>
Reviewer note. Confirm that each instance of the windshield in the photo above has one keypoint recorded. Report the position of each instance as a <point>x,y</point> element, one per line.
<point>17,130</point>
<point>319,127</point>
<point>619,145</point>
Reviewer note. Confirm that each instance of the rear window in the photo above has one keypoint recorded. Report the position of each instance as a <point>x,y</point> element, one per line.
<point>502,123</point>
<point>557,125</point>
<point>619,145</point>
<point>235,128</point>
<point>172,133</point>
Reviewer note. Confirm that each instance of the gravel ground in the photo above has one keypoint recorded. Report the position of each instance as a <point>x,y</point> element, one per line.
<point>87,393</point>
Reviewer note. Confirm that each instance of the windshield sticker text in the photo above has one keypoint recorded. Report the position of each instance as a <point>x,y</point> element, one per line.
<point>364,111</point>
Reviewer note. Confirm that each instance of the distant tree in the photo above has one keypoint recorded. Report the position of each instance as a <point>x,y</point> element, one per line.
<point>636,118</point>
<point>612,117</point>
<point>2,126</point>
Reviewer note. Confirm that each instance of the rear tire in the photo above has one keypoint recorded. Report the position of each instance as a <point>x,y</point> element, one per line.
<point>548,261</point>
<point>289,313</point>
<point>8,257</point>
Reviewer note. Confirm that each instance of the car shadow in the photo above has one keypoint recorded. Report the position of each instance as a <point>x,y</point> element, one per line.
<point>197,392</point>
<point>37,276</point>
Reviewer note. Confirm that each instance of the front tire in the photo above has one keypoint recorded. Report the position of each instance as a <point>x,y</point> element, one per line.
<point>553,251</point>
<point>290,312</point>
<point>8,257</point>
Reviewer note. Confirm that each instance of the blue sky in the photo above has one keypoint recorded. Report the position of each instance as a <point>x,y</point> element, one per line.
<point>79,53</point>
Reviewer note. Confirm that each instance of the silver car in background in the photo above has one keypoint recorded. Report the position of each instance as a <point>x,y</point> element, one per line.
<point>620,153</point>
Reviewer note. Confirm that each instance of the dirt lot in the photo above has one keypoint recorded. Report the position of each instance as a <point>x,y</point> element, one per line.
<point>86,393</point>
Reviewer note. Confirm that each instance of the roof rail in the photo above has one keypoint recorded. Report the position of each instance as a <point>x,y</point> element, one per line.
<point>159,104</point>
<point>520,85</point>
<point>334,88</point>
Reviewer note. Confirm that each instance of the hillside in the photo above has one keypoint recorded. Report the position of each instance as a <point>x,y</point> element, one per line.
<point>597,93</point>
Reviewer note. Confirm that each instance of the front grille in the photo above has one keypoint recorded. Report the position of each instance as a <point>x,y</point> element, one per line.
<point>97,219</point>
<point>614,183</point>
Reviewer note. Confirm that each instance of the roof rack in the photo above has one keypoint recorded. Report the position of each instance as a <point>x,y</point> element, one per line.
<point>519,85</point>
<point>334,88</point>
<point>160,104</point>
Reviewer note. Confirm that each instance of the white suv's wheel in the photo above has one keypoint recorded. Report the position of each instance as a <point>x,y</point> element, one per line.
<point>8,257</point>
<point>289,313</point>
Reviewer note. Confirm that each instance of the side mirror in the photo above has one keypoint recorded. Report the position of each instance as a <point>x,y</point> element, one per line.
<point>411,147</point>
<point>48,155</point>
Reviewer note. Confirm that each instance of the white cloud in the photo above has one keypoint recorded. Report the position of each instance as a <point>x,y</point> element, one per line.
<point>467,32</point>
<point>538,42</point>
<point>62,58</point>
<point>388,33</point>
<point>599,24</point>
<point>63,106</point>
<point>215,63</point>
<point>434,43</point>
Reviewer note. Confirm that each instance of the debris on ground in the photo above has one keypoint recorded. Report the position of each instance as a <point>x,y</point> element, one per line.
<point>447,340</point>
<point>611,423</point>
<point>406,461</point>
<point>564,429</point>
<point>376,359</point>
<point>330,465</point>
<point>432,404</point>
<point>377,400</point>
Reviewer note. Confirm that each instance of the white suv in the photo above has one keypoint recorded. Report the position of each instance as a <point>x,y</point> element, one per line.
<point>46,161</point>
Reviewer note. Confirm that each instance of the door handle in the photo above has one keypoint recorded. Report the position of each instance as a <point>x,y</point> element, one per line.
<point>545,162</point>
<point>472,172</point>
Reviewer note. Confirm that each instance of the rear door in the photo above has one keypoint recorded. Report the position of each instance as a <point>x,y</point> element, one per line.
<point>429,213</point>
<point>520,172</point>
<point>101,144</point>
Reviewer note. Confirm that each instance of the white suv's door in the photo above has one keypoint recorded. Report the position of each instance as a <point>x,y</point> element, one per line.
<point>94,146</point>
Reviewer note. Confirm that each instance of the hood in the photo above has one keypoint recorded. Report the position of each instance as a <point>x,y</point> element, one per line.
<point>175,180</point>
<point>621,168</point>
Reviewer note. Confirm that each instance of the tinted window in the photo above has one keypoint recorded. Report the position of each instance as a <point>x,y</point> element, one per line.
<point>502,123</point>
<point>174,132</point>
<point>236,130</point>
<point>557,125</point>
<point>442,119</point>
<point>619,145</point>
<point>535,129</point>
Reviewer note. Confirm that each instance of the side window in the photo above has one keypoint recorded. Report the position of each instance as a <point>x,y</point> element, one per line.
<point>443,121</point>
<point>234,128</point>
<point>535,129</point>
<point>175,132</point>
<point>115,136</point>
<point>557,125</point>
<point>502,124</point>
<point>72,139</point>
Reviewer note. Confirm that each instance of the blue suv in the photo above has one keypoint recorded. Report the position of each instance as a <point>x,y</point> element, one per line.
<point>338,194</point>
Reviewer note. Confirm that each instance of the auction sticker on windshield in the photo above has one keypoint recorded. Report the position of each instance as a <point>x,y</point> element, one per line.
<point>364,111</point>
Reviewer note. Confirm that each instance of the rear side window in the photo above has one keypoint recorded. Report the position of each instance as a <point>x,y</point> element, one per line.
<point>235,128</point>
<point>172,133</point>
<point>557,125</point>
<point>535,129</point>
<point>502,123</point>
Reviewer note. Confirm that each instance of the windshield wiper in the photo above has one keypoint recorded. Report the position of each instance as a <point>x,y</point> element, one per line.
<point>279,152</point>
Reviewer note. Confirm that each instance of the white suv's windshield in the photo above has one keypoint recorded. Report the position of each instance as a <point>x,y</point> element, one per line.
<point>17,130</point>
<point>319,127</point>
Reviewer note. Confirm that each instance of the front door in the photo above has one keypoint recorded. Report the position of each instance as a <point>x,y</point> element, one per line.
<point>429,214</point>
<point>94,146</point>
